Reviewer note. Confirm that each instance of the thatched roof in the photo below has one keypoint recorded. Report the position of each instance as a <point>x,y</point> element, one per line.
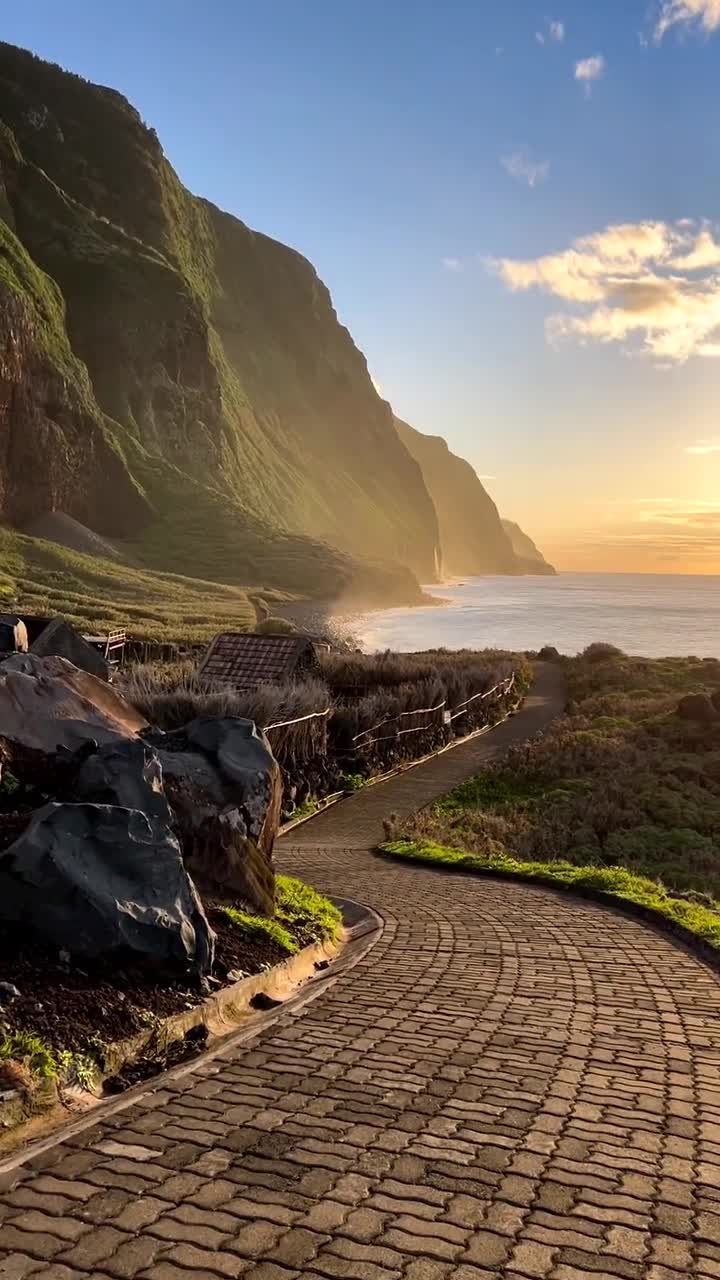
<point>243,661</point>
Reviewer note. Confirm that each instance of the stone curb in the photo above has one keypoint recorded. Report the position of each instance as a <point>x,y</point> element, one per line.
<point>362,930</point>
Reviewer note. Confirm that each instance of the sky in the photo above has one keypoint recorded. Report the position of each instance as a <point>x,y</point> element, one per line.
<point>513,205</point>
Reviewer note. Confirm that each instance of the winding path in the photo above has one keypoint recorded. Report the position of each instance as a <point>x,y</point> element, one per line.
<point>508,1083</point>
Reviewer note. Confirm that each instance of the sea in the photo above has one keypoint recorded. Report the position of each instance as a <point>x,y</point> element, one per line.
<point>656,615</point>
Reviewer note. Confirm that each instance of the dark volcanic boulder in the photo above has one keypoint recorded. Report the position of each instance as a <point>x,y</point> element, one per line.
<point>225,788</point>
<point>698,707</point>
<point>127,773</point>
<point>96,878</point>
<point>47,703</point>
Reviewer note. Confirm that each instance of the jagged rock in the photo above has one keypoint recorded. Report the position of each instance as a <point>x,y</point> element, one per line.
<point>47,703</point>
<point>225,789</point>
<point>95,878</point>
<point>125,773</point>
<point>699,707</point>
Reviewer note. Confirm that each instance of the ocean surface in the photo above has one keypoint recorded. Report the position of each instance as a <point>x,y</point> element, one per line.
<point>651,614</point>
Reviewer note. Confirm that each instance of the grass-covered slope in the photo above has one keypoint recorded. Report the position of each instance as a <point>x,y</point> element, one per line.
<point>239,406</point>
<point>622,781</point>
<point>99,595</point>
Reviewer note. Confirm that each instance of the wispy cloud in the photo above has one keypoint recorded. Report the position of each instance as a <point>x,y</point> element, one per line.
<point>552,33</point>
<point>688,13</point>
<point>655,282</point>
<point>521,166</point>
<point>588,70</point>
<point>451,264</point>
<point>704,446</point>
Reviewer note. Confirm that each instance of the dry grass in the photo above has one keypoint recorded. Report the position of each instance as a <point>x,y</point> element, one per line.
<point>621,780</point>
<point>170,695</point>
<point>391,687</point>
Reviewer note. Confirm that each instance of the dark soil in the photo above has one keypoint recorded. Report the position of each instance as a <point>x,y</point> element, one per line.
<point>177,1052</point>
<point>237,952</point>
<point>84,1003</point>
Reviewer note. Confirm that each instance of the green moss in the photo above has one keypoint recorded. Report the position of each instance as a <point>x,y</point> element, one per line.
<point>252,926</point>
<point>614,883</point>
<point>302,916</point>
<point>311,916</point>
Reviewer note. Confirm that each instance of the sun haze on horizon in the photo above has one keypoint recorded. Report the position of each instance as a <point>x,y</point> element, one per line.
<point>515,210</point>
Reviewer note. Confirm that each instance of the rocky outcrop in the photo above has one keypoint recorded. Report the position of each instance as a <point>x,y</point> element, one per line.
<point>203,801</point>
<point>98,878</point>
<point>225,789</point>
<point>472,538</point>
<point>529,556</point>
<point>48,705</point>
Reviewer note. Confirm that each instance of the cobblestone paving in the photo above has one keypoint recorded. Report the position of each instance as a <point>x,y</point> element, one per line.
<point>510,1083</point>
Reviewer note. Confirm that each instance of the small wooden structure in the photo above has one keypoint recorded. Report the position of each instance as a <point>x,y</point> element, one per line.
<point>241,661</point>
<point>111,646</point>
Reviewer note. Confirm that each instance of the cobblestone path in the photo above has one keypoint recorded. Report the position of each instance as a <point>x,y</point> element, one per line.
<point>510,1083</point>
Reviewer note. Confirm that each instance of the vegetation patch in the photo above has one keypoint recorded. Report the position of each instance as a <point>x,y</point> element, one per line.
<point>302,917</point>
<point>625,782</point>
<point>59,1016</point>
<point>361,716</point>
<point>96,595</point>
<point>614,883</point>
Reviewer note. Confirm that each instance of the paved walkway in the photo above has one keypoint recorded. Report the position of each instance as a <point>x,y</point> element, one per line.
<point>510,1083</point>
<point>357,822</point>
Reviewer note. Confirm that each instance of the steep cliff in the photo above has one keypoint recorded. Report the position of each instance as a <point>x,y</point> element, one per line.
<point>472,537</point>
<point>55,449</point>
<point>210,407</point>
<point>525,550</point>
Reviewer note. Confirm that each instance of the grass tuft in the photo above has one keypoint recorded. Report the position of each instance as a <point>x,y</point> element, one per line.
<point>302,916</point>
<point>614,883</point>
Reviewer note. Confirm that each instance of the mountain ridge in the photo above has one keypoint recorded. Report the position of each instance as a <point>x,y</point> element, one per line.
<point>182,380</point>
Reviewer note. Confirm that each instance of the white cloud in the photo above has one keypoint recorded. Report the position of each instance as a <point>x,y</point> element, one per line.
<point>520,165</point>
<point>588,70</point>
<point>652,285</point>
<point>451,264</point>
<point>554,32</point>
<point>688,13</point>
<point>704,446</point>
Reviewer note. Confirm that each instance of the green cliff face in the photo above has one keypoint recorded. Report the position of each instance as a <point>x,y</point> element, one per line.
<point>472,536</point>
<point>527,553</point>
<point>188,376</point>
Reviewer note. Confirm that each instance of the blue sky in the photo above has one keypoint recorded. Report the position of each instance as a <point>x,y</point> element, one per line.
<point>417,151</point>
